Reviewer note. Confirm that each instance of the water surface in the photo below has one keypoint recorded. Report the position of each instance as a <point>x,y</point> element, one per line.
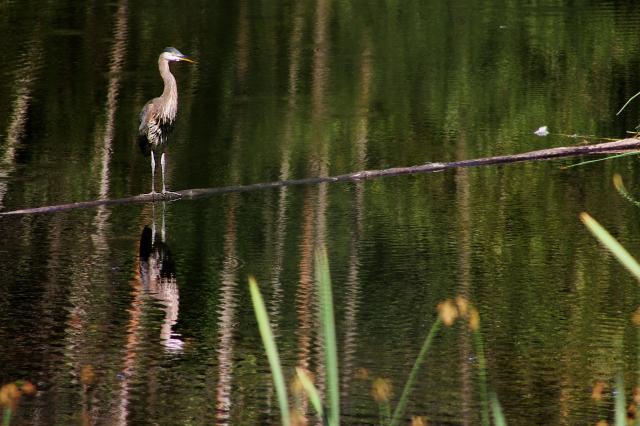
<point>140,314</point>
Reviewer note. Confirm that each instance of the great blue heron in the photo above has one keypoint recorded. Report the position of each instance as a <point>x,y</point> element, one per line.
<point>158,115</point>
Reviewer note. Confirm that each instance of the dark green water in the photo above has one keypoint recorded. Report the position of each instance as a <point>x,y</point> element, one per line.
<point>112,333</point>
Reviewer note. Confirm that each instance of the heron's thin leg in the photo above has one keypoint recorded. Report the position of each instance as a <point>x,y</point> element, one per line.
<point>162,165</point>
<point>153,223</point>
<point>173,195</point>
<point>162,229</point>
<point>153,171</point>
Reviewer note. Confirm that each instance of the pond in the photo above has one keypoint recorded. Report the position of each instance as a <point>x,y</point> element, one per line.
<point>140,313</point>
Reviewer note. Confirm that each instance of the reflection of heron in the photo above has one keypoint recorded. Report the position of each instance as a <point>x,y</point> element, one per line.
<point>156,257</point>
<point>158,115</point>
<point>158,275</point>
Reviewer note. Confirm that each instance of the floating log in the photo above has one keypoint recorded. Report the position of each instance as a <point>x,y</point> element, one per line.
<point>624,145</point>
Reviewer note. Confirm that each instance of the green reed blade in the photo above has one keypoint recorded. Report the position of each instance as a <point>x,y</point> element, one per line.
<point>622,190</point>
<point>272,351</point>
<point>482,376</point>
<point>402,403</point>
<point>627,103</point>
<point>609,157</point>
<point>611,244</point>
<point>384,410</point>
<point>328,327</point>
<point>637,420</point>
<point>312,391</point>
<point>621,410</point>
<point>496,409</point>
<point>6,416</point>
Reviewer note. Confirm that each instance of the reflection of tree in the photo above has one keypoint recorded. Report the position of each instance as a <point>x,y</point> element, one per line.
<point>25,79</point>
<point>82,335</point>
<point>318,165</point>
<point>352,296</point>
<point>464,283</point>
<point>320,138</point>
<point>228,275</point>
<point>282,218</point>
<point>304,291</point>
<point>227,312</point>
<point>285,162</point>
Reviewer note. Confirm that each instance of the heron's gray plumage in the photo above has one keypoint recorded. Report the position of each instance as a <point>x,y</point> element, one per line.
<point>158,115</point>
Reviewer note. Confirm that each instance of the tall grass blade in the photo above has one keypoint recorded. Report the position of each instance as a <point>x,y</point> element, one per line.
<point>496,410</point>
<point>272,351</point>
<point>609,157</point>
<point>6,416</point>
<point>619,185</point>
<point>404,397</point>
<point>312,391</point>
<point>329,330</point>
<point>384,408</point>
<point>627,103</point>
<point>621,411</point>
<point>611,244</point>
<point>637,420</point>
<point>482,376</point>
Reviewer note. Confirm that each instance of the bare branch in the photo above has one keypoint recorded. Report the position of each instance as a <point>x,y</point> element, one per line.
<point>624,145</point>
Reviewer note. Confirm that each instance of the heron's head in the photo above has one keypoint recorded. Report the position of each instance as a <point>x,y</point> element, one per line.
<point>173,54</point>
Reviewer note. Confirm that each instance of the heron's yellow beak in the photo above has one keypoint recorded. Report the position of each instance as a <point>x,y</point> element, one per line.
<point>188,60</point>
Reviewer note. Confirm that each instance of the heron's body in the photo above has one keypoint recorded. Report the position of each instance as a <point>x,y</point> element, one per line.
<point>158,116</point>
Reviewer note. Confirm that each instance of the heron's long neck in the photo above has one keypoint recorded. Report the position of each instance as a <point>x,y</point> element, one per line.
<point>169,96</point>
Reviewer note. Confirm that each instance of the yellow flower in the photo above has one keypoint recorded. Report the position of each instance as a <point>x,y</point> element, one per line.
<point>474,319</point>
<point>362,373</point>
<point>87,375</point>
<point>28,388</point>
<point>296,387</point>
<point>463,305</point>
<point>9,395</point>
<point>597,391</point>
<point>419,421</point>
<point>635,318</point>
<point>447,312</point>
<point>298,418</point>
<point>381,390</point>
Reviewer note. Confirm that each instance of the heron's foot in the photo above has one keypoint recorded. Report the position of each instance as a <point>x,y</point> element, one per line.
<point>153,194</point>
<point>170,196</point>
